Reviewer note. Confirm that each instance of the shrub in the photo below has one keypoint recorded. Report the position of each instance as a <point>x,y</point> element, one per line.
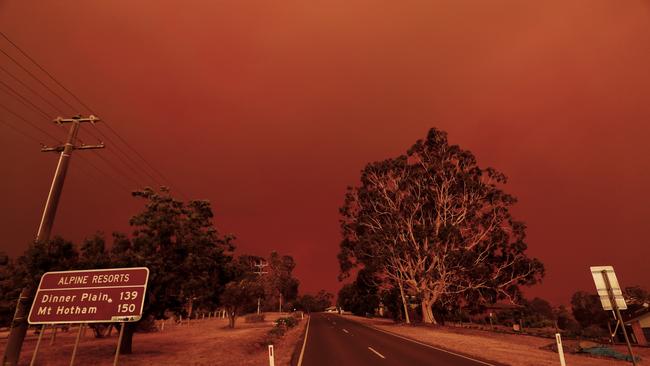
<point>287,322</point>
<point>147,325</point>
<point>254,318</point>
<point>594,332</point>
<point>277,332</point>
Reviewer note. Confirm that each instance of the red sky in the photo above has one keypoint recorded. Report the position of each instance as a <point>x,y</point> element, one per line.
<point>269,109</point>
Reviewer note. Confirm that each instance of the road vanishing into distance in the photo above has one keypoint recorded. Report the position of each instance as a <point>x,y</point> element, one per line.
<point>333,340</point>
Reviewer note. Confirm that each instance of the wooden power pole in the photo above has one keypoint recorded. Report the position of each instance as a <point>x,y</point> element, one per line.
<point>260,271</point>
<point>19,324</point>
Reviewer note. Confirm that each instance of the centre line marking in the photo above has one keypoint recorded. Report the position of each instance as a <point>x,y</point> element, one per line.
<point>377,353</point>
<point>345,330</point>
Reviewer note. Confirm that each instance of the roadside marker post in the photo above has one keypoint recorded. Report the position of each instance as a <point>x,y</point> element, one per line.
<point>560,350</point>
<point>271,356</point>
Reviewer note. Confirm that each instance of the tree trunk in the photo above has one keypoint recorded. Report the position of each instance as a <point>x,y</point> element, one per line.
<point>427,312</point>
<point>126,347</point>
<point>406,310</point>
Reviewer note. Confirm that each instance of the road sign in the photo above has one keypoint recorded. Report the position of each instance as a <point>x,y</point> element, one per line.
<point>90,296</point>
<point>611,297</point>
<point>601,287</point>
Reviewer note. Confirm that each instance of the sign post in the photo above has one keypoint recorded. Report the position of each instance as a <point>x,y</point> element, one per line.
<point>119,343</point>
<point>89,296</point>
<point>76,344</point>
<point>611,297</point>
<point>38,343</point>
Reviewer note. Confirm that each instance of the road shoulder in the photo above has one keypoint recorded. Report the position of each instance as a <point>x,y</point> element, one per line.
<point>396,330</point>
<point>516,350</point>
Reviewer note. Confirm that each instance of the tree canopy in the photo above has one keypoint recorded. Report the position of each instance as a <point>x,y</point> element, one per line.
<point>433,221</point>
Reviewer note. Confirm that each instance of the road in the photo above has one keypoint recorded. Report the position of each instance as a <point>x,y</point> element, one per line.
<point>333,340</point>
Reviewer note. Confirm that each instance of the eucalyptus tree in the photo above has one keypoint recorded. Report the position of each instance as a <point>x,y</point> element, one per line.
<point>188,259</point>
<point>437,225</point>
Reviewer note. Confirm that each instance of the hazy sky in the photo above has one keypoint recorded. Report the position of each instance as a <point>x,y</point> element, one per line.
<point>269,109</point>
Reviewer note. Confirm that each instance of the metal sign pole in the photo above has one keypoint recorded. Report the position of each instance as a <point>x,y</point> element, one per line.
<point>119,344</point>
<point>53,337</point>
<point>612,299</point>
<point>38,343</point>
<point>76,344</point>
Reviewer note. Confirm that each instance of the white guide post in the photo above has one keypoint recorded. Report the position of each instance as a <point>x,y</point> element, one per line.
<point>271,356</point>
<point>560,351</point>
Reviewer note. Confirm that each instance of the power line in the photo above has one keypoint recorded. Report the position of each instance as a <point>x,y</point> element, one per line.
<point>117,182</point>
<point>31,90</point>
<point>29,122</point>
<point>137,153</point>
<point>80,157</point>
<point>133,167</point>
<point>35,78</point>
<point>118,170</point>
<point>155,180</point>
<point>45,71</point>
<point>26,102</point>
<point>112,166</point>
<point>31,105</point>
<point>24,134</point>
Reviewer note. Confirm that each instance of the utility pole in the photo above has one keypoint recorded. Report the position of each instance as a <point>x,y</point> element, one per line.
<point>260,266</point>
<point>19,324</point>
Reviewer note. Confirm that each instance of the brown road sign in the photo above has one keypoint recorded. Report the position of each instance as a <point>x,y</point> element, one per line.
<point>90,296</point>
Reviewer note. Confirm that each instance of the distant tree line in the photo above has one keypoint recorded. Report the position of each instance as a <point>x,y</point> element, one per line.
<point>192,266</point>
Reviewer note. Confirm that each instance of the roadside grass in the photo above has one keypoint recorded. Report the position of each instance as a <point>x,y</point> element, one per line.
<point>511,349</point>
<point>203,342</point>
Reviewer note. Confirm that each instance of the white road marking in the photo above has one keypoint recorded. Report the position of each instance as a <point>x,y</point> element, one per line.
<point>377,353</point>
<point>430,346</point>
<point>304,343</point>
<point>345,330</point>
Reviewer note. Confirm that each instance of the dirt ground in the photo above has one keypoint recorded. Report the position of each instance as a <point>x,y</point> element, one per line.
<point>203,342</point>
<point>511,349</point>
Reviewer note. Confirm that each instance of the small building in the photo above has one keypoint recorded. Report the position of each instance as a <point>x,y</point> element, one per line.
<point>640,323</point>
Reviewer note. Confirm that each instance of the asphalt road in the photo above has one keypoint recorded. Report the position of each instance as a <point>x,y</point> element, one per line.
<point>333,340</point>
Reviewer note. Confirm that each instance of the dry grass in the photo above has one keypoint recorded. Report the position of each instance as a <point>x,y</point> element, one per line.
<point>511,349</point>
<point>204,342</point>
